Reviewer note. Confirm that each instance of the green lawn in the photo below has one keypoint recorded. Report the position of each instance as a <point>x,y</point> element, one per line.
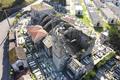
<point>106,25</point>
<point>89,75</point>
<point>85,19</point>
<point>111,28</point>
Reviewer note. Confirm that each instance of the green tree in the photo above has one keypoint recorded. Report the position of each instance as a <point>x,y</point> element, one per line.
<point>115,40</point>
<point>18,15</point>
<point>118,22</point>
<point>104,60</point>
<point>19,1</point>
<point>89,75</point>
<point>0,5</point>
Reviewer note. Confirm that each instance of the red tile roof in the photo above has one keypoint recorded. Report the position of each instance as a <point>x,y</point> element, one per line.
<point>37,33</point>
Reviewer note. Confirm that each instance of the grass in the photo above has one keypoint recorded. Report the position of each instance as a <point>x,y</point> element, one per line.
<point>6,3</point>
<point>85,19</point>
<point>106,26</point>
<point>111,28</point>
<point>9,3</point>
<point>90,75</point>
<point>104,60</point>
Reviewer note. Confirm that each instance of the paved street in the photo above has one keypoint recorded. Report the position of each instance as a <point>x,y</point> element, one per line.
<point>4,27</point>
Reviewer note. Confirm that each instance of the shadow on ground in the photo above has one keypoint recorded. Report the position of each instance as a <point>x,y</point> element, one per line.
<point>5,60</point>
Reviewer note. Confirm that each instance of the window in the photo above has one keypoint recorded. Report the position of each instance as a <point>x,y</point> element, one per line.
<point>98,24</point>
<point>112,21</point>
<point>79,13</point>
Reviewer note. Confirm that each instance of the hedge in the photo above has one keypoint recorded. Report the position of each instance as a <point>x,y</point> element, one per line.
<point>105,59</point>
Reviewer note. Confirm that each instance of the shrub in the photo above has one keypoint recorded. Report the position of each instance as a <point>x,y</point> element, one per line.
<point>89,75</point>
<point>115,39</point>
<point>18,15</point>
<point>104,60</point>
<point>15,21</point>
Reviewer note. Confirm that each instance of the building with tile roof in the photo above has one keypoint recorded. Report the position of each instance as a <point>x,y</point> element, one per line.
<point>37,33</point>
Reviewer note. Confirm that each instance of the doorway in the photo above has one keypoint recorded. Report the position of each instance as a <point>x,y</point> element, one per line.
<point>112,21</point>
<point>98,24</point>
<point>21,67</point>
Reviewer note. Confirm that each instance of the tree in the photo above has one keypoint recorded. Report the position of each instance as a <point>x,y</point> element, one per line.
<point>0,5</point>
<point>89,75</point>
<point>115,40</point>
<point>118,22</point>
<point>104,60</point>
<point>18,15</point>
<point>19,1</point>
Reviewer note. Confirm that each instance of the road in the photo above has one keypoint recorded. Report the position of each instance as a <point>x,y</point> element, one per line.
<point>4,27</point>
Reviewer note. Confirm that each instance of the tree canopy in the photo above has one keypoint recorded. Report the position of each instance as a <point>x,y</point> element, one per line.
<point>115,40</point>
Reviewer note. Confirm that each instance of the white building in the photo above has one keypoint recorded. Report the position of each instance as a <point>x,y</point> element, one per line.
<point>114,8</point>
<point>78,10</point>
<point>109,15</point>
<point>104,36</point>
<point>117,3</point>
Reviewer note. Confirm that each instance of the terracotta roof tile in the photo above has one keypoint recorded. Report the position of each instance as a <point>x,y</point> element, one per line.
<point>37,33</point>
